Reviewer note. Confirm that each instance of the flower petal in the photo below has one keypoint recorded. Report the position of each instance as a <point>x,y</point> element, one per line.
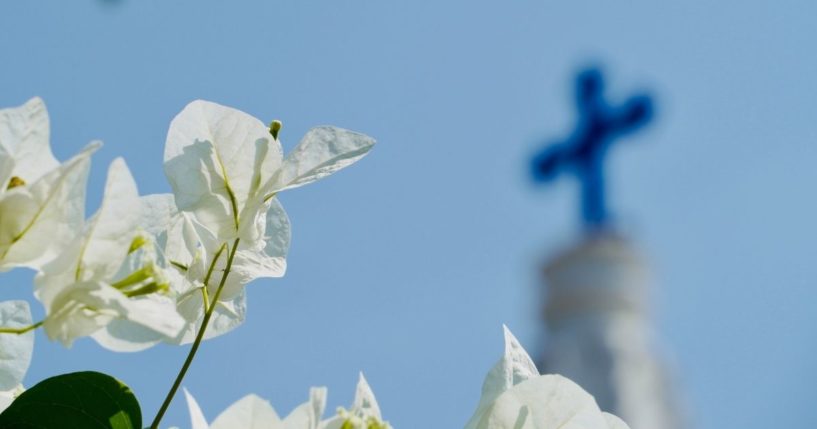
<point>149,320</point>
<point>15,350</point>
<point>321,152</point>
<point>514,367</point>
<point>83,308</point>
<point>197,420</point>
<point>40,220</point>
<point>544,402</point>
<point>227,316</point>
<point>365,405</point>
<point>216,158</point>
<point>24,134</point>
<point>264,259</point>
<point>250,412</point>
<point>113,227</point>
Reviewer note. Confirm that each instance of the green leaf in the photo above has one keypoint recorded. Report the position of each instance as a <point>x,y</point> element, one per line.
<point>78,400</point>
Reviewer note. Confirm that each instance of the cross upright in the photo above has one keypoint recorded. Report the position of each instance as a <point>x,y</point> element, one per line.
<point>598,125</point>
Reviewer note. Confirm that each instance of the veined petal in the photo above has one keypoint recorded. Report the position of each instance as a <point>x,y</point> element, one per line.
<point>155,313</point>
<point>40,220</point>
<point>515,396</point>
<point>216,158</point>
<point>228,315</point>
<point>365,405</point>
<point>514,367</point>
<point>250,412</point>
<point>363,413</point>
<point>15,350</point>
<point>544,402</point>
<point>84,308</point>
<point>176,236</point>
<point>24,135</point>
<point>150,319</point>
<point>197,420</point>
<point>68,316</point>
<point>113,227</point>
<point>122,335</point>
<point>278,231</point>
<point>158,211</point>
<point>263,259</point>
<point>321,152</point>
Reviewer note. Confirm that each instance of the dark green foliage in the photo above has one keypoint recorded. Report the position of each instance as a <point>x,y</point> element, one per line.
<point>81,400</point>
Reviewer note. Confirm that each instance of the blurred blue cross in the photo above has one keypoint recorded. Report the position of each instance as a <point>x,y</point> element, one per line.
<point>599,124</point>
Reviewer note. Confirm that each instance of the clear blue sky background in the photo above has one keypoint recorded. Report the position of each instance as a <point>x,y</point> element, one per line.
<point>406,265</point>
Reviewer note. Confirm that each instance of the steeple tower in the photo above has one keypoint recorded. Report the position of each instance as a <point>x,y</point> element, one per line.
<point>597,308</point>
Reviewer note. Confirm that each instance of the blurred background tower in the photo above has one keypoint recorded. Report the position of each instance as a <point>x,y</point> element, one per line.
<point>597,307</point>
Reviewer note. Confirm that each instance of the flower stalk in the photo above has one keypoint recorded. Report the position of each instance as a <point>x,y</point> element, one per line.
<point>199,336</point>
<point>21,331</point>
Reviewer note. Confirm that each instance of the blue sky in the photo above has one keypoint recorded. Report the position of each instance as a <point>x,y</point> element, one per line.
<point>406,265</point>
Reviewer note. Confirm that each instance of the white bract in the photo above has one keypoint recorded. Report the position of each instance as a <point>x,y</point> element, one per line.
<point>42,202</point>
<point>252,412</point>
<point>15,350</point>
<point>364,413</point>
<point>107,277</point>
<point>225,168</point>
<point>188,251</point>
<point>515,396</point>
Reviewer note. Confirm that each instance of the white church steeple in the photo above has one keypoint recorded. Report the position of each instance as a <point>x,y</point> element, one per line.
<point>599,332</point>
<point>597,294</point>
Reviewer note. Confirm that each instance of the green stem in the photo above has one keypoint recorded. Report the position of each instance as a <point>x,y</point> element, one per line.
<point>204,293</point>
<point>199,336</point>
<point>21,331</point>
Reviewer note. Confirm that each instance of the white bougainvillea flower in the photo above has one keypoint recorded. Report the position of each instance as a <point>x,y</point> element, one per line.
<point>15,350</point>
<point>42,203</point>
<point>100,278</point>
<point>188,252</point>
<point>363,414</point>
<point>252,412</point>
<point>514,395</point>
<point>24,143</point>
<point>225,166</point>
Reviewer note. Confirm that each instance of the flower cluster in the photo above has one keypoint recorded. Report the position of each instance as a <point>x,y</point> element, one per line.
<point>254,412</point>
<point>83,277</point>
<point>514,395</point>
<point>173,267</point>
<point>143,270</point>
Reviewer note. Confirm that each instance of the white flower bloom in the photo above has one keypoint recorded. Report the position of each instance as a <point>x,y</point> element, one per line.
<point>252,412</point>
<point>15,350</point>
<point>106,275</point>
<point>514,395</point>
<point>364,413</point>
<point>225,166</point>
<point>42,202</point>
<point>188,252</point>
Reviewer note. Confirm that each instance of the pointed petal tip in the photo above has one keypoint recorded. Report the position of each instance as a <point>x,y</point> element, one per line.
<point>35,101</point>
<point>510,338</point>
<point>92,147</point>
